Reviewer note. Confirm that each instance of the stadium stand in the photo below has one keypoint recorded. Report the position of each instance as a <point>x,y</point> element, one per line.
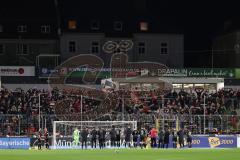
<point>19,109</point>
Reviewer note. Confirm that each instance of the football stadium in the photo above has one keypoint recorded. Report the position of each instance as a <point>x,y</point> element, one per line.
<point>119,79</point>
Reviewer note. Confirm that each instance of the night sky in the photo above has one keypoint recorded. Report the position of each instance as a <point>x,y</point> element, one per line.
<point>200,21</point>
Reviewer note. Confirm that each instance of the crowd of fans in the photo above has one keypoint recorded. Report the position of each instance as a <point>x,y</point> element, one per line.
<point>22,107</point>
<point>218,103</point>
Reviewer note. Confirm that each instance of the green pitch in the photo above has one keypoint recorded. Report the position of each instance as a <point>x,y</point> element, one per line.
<point>123,154</point>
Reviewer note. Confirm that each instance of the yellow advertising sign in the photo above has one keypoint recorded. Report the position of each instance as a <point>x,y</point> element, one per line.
<point>214,142</point>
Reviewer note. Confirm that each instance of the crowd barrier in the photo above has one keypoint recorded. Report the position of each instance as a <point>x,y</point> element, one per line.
<point>66,143</point>
<point>198,141</point>
<point>214,142</point>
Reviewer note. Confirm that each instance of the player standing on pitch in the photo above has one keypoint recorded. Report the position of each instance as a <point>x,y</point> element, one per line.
<point>39,140</point>
<point>104,138</point>
<point>113,134</point>
<point>101,137</point>
<point>166,138</point>
<point>135,138</point>
<point>180,134</point>
<point>94,138</point>
<point>84,135</point>
<point>174,139</point>
<point>161,138</point>
<point>153,134</point>
<point>118,138</point>
<point>46,134</point>
<point>189,140</point>
<point>76,137</point>
<point>143,137</point>
<point>128,133</point>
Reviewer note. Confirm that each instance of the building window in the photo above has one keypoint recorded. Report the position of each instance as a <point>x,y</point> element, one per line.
<point>117,26</point>
<point>2,49</point>
<point>22,49</point>
<point>1,28</point>
<point>143,26</point>
<point>72,46</point>
<point>141,48</point>
<point>95,47</point>
<point>164,48</point>
<point>95,25</point>
<point>45,29</point>
<point>22,28</point>
<point>72,24</point>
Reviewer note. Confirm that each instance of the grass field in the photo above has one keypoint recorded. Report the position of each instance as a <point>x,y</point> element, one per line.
<point>123,154</point>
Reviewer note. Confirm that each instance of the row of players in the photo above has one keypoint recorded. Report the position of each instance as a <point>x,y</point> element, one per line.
<point>141,137</point>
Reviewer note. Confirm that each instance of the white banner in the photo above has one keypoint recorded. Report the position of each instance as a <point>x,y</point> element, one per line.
<point>238,142</point>
<point>17,71</point>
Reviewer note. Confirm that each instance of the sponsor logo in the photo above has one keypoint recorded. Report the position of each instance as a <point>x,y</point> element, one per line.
<point>14,143</point>
<point>20,70</point>
<point>12,70</point>
<point>17,71</point>
<point>214,142</point>
<point>44,70</point>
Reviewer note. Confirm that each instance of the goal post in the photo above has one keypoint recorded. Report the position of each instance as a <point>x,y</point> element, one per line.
<point>63,131</point>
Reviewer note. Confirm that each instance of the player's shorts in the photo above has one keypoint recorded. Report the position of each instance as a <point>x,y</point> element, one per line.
<point>127,139</point>
<point>39,142</point>
<point>135,139</point>
<point>118,138</point>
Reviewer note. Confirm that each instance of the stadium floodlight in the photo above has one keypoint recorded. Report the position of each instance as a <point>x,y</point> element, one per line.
<point>63,130</point>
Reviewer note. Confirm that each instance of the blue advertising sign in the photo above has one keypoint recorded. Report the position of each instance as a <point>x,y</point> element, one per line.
<point>214,142</point>
<point>46,72</point>
<point>14,143</point>
<point>202,141</point>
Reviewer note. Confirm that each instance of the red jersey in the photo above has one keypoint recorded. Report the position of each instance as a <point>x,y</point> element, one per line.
<point>153,133</point>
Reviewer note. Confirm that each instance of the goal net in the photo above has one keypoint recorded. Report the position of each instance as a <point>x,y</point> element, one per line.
<point>63,132</point>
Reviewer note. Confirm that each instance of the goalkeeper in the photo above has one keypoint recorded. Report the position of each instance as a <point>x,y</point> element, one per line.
<point>76,137</point>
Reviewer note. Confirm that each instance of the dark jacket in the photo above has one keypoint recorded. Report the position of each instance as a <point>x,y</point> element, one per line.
<point>113,133</point>
<point>166,137</point>
<point>84,134</point>
<point>94,134</point>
